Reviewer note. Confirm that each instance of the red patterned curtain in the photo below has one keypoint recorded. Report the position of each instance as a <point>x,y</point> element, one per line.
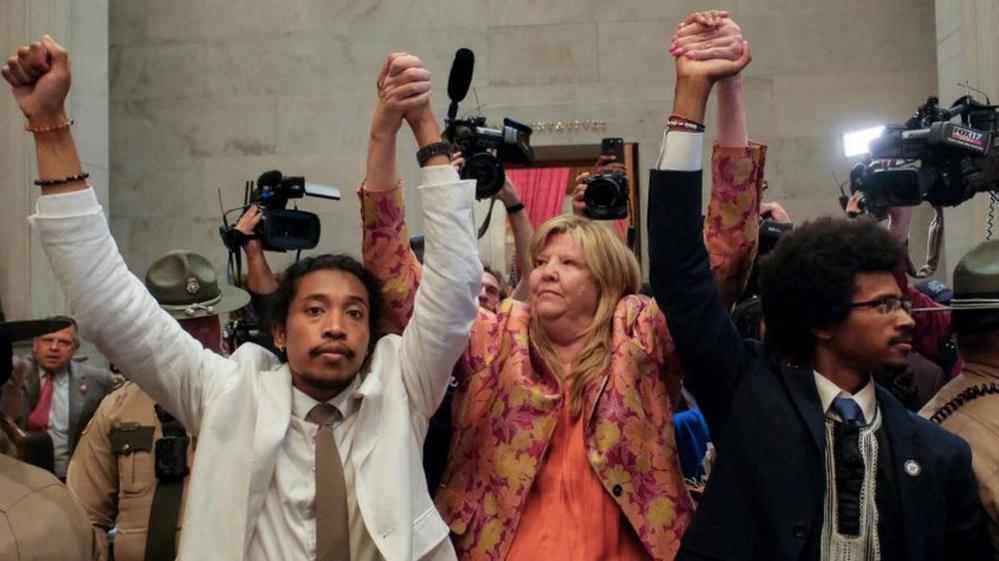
<point>542,190</point>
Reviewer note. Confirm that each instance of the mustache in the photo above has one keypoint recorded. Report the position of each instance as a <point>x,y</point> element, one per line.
<point>347,352</point>
<point>903,337</point>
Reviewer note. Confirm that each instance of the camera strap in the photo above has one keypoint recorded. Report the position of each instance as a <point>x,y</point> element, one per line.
<point>489,216</point>
<point>934,242</point>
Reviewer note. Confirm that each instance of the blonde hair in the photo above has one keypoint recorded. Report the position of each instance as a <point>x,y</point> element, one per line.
<point>617,274</point>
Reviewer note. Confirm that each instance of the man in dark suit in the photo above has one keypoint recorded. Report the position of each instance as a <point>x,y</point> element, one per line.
<point>58,396</point>
<point>814,461</point>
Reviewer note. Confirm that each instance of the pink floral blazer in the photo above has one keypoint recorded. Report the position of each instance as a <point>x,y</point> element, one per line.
<point>507,402</point>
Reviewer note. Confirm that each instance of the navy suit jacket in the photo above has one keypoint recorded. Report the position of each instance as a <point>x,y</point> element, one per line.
<point>765,497</point>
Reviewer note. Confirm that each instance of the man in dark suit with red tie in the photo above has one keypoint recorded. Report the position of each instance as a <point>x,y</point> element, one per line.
<point>57,396</point>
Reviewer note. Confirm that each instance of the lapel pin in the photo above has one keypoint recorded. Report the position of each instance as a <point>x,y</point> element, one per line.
<point>83,387</point>
<point>912,468</point>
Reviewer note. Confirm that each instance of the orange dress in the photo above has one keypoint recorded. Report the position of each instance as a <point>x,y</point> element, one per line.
<point>568,513</point>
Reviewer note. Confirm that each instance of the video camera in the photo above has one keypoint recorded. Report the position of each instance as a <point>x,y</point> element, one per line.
<point>280,229</point>
<point>930,158</point>
<point>476,140</point>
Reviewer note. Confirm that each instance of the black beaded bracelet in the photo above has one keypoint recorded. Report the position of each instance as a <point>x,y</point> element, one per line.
<point>515,208</point>
<point>431,150</point>
<point>70,179</point>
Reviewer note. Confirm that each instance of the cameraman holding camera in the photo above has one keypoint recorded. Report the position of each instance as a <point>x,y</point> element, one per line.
<point>291,463</point>
<point>492,291</point>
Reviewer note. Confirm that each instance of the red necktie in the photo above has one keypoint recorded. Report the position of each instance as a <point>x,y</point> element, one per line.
<point>39,418</point>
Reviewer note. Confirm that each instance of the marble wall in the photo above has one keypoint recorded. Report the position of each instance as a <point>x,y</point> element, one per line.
<point>207,94</point>
<point>27,286</point>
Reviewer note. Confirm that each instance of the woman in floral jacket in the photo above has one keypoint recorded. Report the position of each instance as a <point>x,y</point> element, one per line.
<point>563,443</point>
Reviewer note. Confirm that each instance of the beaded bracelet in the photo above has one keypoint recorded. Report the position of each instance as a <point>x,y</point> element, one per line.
<point>684,123</point>
<point>49,128</point>
<point>48,182</point>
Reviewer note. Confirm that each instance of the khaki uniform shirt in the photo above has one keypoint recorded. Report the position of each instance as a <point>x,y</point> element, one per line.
<point>39,519</point>
<point>976,421</point>
<point>112,470</point>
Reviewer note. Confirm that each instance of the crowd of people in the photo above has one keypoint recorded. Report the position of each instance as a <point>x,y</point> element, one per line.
<point>801,405</point>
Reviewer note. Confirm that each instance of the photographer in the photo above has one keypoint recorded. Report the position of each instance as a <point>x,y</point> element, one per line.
<point>291,463</point>
<point>563,445</point>
<point>814,461</point>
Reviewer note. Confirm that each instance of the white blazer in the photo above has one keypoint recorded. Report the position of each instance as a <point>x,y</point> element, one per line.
<point>240,409</point>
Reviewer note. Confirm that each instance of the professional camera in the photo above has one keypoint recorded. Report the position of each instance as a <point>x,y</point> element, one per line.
<point>478,142</point>
<point>930,158</point>
<point>606,195</point>
<point>280,229</point>
<point>484,148</point>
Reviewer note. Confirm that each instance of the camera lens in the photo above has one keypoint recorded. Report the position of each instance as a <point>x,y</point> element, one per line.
<point>600,193</point>
<point>487,171</point>
<point>606,196</point>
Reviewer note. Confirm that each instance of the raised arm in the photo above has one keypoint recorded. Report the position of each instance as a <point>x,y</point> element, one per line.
<point>706,342</point>
<point>523,231</point>
<point>446,302</point>
<point>112,306</point>
<point>385,250</point>
<point>731,229</point>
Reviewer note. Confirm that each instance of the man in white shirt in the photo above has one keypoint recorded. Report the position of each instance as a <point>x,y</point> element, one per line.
<point>319,459</point>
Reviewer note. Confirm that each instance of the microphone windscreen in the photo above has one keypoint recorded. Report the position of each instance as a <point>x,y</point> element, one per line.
<point>461,74</point>
<point>270,179</point>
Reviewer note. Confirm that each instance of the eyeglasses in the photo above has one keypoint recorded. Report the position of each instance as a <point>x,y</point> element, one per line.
<point>886,305</point>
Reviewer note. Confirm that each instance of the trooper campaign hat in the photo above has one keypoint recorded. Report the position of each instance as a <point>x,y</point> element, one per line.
<point>184,284</point>
<point>976,279</point>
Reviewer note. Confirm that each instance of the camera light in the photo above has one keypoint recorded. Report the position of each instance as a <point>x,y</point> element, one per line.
<point>857,143</point>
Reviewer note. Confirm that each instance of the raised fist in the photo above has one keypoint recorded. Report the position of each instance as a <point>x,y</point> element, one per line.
<point>709,45</point>
<point>403,91</point>
<point>39,76</point>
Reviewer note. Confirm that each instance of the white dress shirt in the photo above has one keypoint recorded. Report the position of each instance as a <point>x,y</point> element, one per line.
<point>680,151</point>
<point>866,397</point>
<point>287,525</point>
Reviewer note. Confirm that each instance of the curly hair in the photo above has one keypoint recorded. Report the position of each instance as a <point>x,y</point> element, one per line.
<point>808,280</point>
<point>281,300</point>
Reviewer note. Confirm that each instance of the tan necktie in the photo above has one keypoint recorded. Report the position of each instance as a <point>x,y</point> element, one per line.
<point>332,534</point>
